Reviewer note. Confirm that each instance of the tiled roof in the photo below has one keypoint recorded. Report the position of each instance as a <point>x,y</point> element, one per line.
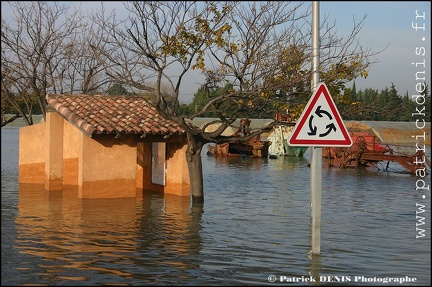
<point>112,115</point>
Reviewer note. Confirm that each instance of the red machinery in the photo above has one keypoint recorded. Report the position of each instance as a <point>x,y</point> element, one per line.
<point>366,151</point>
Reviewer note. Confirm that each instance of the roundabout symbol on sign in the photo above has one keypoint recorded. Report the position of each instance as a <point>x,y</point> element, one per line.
<point>320,123</point>
<point>313,128</point>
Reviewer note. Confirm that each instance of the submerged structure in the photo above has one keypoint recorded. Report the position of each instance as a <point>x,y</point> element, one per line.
<point>105,147</point>
<point>378,142</point>
<point>254,147</point>
<point>271,144</point>
<point>279,136</point>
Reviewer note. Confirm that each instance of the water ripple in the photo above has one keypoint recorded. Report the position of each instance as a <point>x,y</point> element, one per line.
<point>255,222</point>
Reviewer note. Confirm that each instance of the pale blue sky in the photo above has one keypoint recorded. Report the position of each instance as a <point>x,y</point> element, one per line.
<point>387,24</point>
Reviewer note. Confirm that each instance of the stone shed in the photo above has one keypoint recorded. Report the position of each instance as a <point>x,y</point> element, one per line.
<point>105,146</point>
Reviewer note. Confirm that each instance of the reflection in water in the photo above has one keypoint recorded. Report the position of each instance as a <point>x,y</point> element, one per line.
<point>315,267</point>
<point>75,237</point>
<point>255,222</point>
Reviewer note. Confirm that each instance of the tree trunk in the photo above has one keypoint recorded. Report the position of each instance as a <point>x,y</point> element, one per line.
<point>193,156</point>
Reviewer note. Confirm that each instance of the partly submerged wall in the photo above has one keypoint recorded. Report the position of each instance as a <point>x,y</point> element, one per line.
<point>31,155</point>
<point>57,154</point>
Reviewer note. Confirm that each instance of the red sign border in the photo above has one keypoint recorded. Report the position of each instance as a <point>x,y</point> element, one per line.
<point>293,141</point>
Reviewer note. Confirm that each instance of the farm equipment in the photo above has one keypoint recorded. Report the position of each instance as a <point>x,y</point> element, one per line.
<point>367,151</point>
<point>254,147</point>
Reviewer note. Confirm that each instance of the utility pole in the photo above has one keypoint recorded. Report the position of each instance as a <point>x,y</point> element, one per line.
<point>316,155</point>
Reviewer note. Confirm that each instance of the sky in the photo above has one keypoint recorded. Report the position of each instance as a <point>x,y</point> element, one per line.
<point>388,25</point>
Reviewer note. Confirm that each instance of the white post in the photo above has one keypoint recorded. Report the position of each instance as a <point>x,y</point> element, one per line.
<point>316,155</point>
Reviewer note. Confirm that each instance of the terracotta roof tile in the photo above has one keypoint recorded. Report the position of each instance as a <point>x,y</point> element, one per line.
<point>112,115</point>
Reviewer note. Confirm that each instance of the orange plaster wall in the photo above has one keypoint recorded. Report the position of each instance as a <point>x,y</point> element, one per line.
<point>143,165</point>
<point>102,166</point>
<point>31,155</point>
<point>109,188</point>
<point>177,173</point>
<point>70,171</point>
<point>107,167</point>
<point>71,140</point>
<point>32,173</point>
<point>54,151</point>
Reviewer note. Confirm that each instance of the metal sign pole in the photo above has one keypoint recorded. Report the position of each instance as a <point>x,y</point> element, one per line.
<point>316,156</point>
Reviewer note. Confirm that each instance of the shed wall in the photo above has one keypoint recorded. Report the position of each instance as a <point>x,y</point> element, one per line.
<point>31,155</point>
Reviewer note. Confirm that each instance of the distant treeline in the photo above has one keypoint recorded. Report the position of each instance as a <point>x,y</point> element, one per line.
<point>367,105</point>
<point>389,105</point>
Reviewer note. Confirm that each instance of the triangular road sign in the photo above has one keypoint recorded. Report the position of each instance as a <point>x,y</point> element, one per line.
<point>320,124</point>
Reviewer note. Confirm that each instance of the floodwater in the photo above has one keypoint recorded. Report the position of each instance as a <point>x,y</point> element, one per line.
<point>253,229</point>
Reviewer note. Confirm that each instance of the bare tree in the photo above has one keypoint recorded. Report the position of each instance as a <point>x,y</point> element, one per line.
<point>44,49</point>
<point>249,49</point>
<point>31,47</point>
<point>85,73</point>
